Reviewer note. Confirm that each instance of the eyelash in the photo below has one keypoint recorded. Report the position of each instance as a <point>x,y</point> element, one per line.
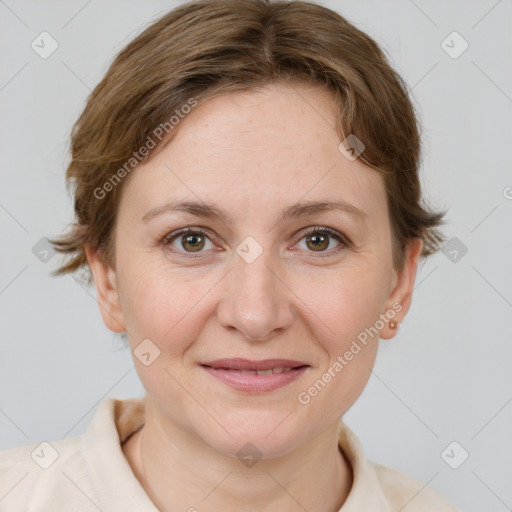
<point>344,242</point>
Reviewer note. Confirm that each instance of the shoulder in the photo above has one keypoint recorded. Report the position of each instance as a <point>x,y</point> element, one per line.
<point>401,489</point>
<point>31,475</point>
<point>78,473</point>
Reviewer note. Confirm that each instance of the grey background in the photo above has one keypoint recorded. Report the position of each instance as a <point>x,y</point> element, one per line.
<point>445,377</point>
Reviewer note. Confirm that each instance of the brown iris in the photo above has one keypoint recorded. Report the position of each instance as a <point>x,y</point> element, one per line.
<point>319,242</point>
<point>194,240</point>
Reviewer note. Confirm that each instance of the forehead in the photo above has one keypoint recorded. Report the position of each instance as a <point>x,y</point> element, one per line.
<point>257,149</point>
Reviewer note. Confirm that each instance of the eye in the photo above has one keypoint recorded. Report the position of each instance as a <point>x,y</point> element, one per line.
<point>188,240</point>
<point>319,239</point>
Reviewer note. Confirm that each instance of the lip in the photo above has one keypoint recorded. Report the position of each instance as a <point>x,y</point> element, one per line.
<point>229,372</point>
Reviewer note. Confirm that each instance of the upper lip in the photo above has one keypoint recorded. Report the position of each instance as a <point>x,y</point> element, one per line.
<point>247,364</point>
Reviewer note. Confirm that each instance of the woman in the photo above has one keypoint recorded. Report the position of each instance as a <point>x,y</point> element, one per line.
<point>248,203</point>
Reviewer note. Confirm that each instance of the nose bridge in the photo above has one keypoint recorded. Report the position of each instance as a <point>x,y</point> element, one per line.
<point>255,280</point>
<point>255,301</point>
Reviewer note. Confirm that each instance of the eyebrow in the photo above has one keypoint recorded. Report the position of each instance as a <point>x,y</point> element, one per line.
<point>300,209</point>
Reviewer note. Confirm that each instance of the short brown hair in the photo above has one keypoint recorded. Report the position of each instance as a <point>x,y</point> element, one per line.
<point>206,48</point>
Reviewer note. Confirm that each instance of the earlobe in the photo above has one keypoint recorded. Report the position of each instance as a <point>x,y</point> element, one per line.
<point>105,281</point>
<point>401,293</point>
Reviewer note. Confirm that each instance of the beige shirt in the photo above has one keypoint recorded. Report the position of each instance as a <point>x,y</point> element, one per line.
<point>89,473</point>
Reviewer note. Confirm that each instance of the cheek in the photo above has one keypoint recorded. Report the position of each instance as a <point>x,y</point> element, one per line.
<point>342,310</point>
<point>345,302</point>
<point>162,306</point>
<point>166,309</point>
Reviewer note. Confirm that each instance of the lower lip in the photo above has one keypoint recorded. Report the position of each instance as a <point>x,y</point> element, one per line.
<point>254,382</point>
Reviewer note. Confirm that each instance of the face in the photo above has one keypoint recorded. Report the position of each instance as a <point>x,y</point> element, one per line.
<point>266,277</point>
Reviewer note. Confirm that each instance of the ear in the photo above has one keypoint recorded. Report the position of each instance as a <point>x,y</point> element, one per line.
<point>107,291</point>
<point>403,286</point>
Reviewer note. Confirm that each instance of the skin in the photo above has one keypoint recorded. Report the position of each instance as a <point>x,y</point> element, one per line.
<point>252,154</point>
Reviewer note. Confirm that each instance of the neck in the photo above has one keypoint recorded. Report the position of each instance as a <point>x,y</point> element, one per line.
<point>179,473</point>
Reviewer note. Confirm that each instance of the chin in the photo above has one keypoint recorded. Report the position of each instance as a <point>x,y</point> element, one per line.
<point>257,434</point>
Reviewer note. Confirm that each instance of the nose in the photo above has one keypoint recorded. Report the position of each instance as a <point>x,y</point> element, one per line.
<point>256,301</point>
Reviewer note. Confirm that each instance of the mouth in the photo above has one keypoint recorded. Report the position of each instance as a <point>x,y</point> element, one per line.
<point>255,376</point>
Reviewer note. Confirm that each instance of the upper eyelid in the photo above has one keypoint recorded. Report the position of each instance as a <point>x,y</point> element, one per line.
<point>181,232</point>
